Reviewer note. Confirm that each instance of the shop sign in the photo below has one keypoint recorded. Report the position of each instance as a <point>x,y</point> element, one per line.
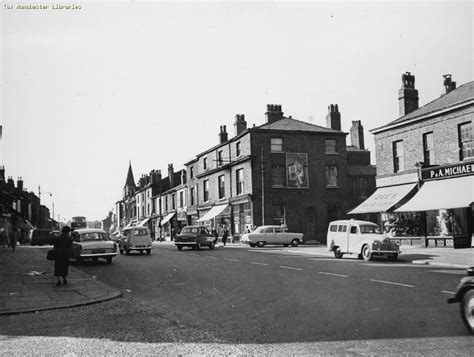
<point>248,220</point>
<point>207,223</point>
<point>448,171</point>
<point>181,215</point>
<point>236,220</point>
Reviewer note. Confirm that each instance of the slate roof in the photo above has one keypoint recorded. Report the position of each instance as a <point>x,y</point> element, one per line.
<point>464,93</point>
<point>291,124</point>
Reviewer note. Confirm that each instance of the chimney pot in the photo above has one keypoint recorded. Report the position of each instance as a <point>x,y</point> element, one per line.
<point>333,119</point>
<point>407,95</point>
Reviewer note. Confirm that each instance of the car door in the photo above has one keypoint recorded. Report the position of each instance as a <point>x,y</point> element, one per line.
<point>353,239</point>
<point>269,235</point>
<point>280,237</point>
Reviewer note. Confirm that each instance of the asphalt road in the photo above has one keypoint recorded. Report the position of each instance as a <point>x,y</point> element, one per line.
<point>270,295</point>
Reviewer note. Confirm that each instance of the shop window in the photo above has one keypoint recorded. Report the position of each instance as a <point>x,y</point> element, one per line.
<point>442,223</point>
<point>276,144</point>
<point>406,224</point>
<point>278,176</point>
<point>221,186</point>
<point>239,181</point>
<point>428,149</point>
<point>331,176</point>
<point>398,158</point>
<point>331,146</point>
<point>206,191</point>
<point>466,141</point>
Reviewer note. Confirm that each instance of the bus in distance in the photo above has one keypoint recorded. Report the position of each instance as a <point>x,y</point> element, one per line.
<point>78,222</point>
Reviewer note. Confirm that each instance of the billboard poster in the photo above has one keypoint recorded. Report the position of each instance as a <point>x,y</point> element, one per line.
<point>297,170</point>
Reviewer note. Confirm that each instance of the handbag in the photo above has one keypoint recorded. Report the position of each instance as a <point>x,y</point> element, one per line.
<point>51,254</point>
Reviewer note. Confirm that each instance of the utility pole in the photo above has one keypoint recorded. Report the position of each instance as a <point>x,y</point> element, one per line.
<point>263,188</point>
<point>39,196</point>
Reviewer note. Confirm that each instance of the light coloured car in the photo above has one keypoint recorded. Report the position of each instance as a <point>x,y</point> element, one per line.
<point>264,235</point>
<point>363,238</point>
<point>89,243</point>
<point>135,238</point>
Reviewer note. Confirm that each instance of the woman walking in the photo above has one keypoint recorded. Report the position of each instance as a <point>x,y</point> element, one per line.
<point>62,247</point>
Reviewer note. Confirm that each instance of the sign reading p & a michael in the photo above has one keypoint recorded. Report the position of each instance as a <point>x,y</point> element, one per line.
<point>433,173</point>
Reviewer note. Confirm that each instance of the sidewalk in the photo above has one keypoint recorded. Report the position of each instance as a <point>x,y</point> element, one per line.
<point>27,283</point>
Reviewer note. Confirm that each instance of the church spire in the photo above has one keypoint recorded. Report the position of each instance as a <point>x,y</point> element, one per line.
<point>129,188</point>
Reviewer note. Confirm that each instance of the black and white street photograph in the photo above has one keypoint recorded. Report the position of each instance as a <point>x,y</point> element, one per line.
<point>236,178</point>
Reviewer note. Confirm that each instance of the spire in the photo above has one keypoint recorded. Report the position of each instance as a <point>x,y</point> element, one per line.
<point>130,180</point>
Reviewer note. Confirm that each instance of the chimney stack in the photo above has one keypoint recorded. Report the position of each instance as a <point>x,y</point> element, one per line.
<point>407,95</point>
<point>333,119</point>
<point>171,175</point>
<point>240,124</point>
<point>223,137</point>
<point>10,182</point>
<point>273,113</point>
<point>19,184</point>
<point>357,135</point>
<point>449,85</point>
<point>2,173</point>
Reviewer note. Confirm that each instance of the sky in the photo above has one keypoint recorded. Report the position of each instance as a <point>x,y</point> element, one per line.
<point>86,91</point>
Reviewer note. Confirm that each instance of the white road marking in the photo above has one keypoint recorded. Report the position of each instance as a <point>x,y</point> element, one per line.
<point>333,274</point>
<point>257,263</point>
<point>232,260</point>
<point>211,257</point>
<point>392,283</point>
<point>448,292</point>
<point>285,267</point>
<point>196,255</point>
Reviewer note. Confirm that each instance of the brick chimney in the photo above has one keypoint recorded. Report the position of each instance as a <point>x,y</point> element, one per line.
<point>333,119</point>
<point>19,184</point>
<point>10,182</point>
<point>223,137</point>
<point>171,175</point>
<point>357,135</point>
<point>407,95</point>
<point>2,173</point>
<point>273,113</point>
<point>449,85</point>
<point>183,177</point>
<point>240,124</point>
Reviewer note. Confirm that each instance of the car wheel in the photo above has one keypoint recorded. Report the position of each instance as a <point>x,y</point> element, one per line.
<point>252,245</point>
<point>148,251</point>
<point>180,247</point>
<point>337,253</point>
<point>109,260</point>
<point>359,256</point>
<point>198,246</point>
<point>366,253</point>
<point>212,245</point>
<point>467,310</point>
<point>393,257</point>
<point>295,242</point>
<point>260,244</point>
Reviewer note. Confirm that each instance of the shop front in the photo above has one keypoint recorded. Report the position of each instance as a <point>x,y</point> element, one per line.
<point>242,216</point>
<point>167,227</point>
<point>216,218</point>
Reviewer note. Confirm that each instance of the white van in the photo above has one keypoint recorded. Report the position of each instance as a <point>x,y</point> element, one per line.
<point>362,238</point>
<point>135,238</point>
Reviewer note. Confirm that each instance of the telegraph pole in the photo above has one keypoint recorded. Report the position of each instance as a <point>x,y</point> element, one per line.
<point>263,188</point>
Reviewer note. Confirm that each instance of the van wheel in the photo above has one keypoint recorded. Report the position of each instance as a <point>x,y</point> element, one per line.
<point>148,251</point>
<point>366,253</point>
<point>337,253</point>
<point>295,242</point>
<point>260,244</point>
<point>252,245</point>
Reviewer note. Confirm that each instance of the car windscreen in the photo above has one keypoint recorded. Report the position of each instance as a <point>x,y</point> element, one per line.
<point>370,229</point>
<point>91,236</point>
<point>190,230</point>
<point>259,230</point>
<point>140,232</point>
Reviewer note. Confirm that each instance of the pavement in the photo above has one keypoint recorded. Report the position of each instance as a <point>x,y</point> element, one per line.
<point>27,282</point>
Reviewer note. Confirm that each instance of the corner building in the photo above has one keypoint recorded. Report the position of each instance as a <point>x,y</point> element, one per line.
<point>285,171</point>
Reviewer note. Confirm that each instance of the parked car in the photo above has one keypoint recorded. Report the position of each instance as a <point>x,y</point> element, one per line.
<point>464,294</point>
<point>362,238</point>
<point>271,235</point>
<point>90,243</point>
<point>135,238</point>
<point>194,237</point>
<point>41,236</point>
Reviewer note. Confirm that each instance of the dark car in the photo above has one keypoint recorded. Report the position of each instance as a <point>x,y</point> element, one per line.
<point>464,294</point>
<point>194,237</point>
<point>42,236</point>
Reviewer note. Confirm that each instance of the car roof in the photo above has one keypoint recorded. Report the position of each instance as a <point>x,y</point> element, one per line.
<point>89,230</point>
<point>352,221</point>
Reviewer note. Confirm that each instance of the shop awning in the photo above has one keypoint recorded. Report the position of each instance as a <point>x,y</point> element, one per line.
<point>143,222</point>
<point>167,218</point>
<point>383,199</point>
<point>214,211</point>
<point>450,193</point>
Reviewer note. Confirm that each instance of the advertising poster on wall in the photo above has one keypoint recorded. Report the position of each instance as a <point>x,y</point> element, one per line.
<point>297,170</point>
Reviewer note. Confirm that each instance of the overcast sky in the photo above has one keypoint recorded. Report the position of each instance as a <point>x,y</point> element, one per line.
<point>86,91</point>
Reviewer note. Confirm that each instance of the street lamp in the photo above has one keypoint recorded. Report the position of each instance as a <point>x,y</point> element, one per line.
<point>39,196</point>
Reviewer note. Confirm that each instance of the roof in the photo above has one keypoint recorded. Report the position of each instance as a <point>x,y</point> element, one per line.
<point>130,180</point>
<point>291,124</point>
<point>352,221</point>
<point>89,230</point>
<point>461,95</point>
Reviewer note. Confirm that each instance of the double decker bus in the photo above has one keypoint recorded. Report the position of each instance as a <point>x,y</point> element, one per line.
<point>78,222</point>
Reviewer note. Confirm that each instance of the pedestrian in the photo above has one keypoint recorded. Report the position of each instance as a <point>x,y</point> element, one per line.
<point>225,234</point>
<point>13,238</point>
<point>214,233</point>
<point>62,248</point>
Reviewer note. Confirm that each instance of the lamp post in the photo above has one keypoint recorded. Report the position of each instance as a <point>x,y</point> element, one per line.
<point>39,196</point>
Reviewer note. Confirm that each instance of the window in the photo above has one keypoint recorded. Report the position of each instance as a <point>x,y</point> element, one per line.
<point>353,230</point>
<point>191,172</point>
<point>398,159</point>
<point>173,201</point>
<point>148,210</point>
<point>466,141</point>
<point>219,158</point>
<point>221,184</point>
<point>331,176</point>
<point>363,188</point>
<point>205,191</point>
<point>237,149</point>
<point>276,144</point>
<point>428,149</point>
<point>278,176</point>
<point>331,146</point>
<point>181,199</point>
<point>191,194</point>
<point>239,181</point>
<point>333,228</point>
<point>204,163</point>
<point>166,203</point>
<point>333,213</point>
<point>279,214</point>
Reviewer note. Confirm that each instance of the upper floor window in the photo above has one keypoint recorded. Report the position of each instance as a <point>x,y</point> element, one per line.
<point>428,149</point>
<point>363,188</point>
<point>278,176</point>
<point>166,203</point>
<point>181,199</point>
<point>331,146</point>
<point>466,141</point>
<point>239,181</point>
<point>173,201</point>
<point>398,158</point>
<point>191,172</point>
<point>219,158</point>
<point>204,163</point>
<point>276,144</point>
<point>331,176</point>
<point>221,184</point>
<point>205,191</point>
<point>237,149</point>
<point>333,214</point>
<point>191,196</point>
